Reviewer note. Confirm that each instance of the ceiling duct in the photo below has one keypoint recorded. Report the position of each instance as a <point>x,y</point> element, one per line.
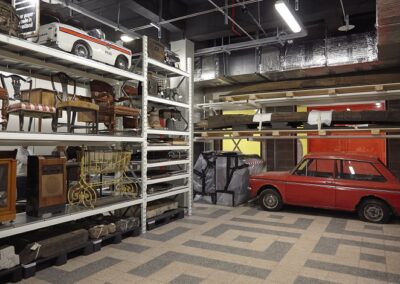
<point>288,62</point>
<point>249,44</point>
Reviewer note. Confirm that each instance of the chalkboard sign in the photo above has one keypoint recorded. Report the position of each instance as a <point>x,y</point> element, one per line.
<point>28,12</point>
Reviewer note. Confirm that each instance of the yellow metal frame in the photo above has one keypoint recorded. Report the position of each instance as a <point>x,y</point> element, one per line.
<point>96,163</point>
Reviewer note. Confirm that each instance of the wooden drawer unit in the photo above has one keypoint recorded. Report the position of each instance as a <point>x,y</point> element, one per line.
<point>47,185</point>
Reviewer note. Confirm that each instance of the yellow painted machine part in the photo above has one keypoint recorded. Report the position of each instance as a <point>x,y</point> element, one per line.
<point>246,147</point>
<point>303,141</point>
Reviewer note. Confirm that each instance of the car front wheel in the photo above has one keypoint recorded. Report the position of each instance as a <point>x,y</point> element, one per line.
<point>270,200</point>
<point>374,211</point>
<point>81,50</point>
<point>121,63</point>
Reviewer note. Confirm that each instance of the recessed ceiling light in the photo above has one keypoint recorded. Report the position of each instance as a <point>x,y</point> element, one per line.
<point>126,38</point>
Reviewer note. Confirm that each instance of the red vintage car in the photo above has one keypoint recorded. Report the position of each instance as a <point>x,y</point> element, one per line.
<point>333,181</point>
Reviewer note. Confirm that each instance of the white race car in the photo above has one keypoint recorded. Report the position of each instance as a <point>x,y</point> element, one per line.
<point>91,44</point>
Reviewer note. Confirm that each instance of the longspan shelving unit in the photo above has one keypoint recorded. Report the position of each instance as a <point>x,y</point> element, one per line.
<point>30,59</point>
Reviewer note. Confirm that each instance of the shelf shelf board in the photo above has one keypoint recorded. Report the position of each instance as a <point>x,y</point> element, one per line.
<point>24,223</point>
<point>29,58</point>
<point>361,132</point>
<point>167,193</point>
<point>167,102</point>
<point>166,68</point>
<point>305,97</point>
<point>35,138</point>
<point>167,148</point>
<point>167,132</point>
<point>165,179</point>
<point>167,163</point>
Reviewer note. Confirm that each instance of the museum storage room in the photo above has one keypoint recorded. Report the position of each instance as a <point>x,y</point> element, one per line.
<point>200,141</point>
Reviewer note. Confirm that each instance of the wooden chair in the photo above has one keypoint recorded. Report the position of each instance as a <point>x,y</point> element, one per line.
<point>4,105</point>
<point>110,107</point>
<point>72,105</point>
<point>31,103</point>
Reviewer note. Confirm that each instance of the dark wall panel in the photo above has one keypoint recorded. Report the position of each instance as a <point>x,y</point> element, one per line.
<point>393,145</point>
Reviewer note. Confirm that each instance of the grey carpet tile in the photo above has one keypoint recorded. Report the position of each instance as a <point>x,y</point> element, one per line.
<point>373,258</point>
<point>213,215</point>
<point>158,263</point>
<point>245,239</point>
<point>300,223</point>
<point>338,226</point>
<point>196,207</point>
<point>329,246</point>
<point>191,221</point>
<point>220,229</point>
<point>355,271</point>
<point>250,212</point>
<point>130,247</point>
<point>274,216</point>
<point>57,275</point>
<point>186,279</point>
<point>169,235</point>
<point>309,280</point>
<point>373,227</point>
<point>275,252</point>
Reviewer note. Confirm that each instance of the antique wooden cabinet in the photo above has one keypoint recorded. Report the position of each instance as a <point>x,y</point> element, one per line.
<point>7,189</point>
<point>46,185</point>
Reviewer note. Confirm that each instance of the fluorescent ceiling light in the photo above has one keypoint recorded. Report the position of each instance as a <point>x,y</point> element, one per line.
<point>287,15</point>
<point>126,38</point>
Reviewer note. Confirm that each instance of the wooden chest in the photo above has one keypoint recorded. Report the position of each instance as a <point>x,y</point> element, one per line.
<point>7,189</point>
<point>156,49</point>
<point>8,19</point>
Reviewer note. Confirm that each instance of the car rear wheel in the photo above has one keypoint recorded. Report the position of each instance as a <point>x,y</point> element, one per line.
<point>121,63</point>
<point>270,200</point>
<point>374,211</point>
<point>81,50</point>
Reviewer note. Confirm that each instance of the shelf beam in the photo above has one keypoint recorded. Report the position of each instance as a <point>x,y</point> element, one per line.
<point>165,179</point>
<point>167,102</point>
<point>168,163</point>
<point>36,55</point>
<point>31,138</point>
<point>16,228</point>
<point>168,193</point>
<point>167,67</point>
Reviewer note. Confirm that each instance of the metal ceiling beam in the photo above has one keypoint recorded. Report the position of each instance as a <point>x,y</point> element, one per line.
<point>197,14</point>
<point>232,20</point>
<point>68,4</point>
<point>141,10</point>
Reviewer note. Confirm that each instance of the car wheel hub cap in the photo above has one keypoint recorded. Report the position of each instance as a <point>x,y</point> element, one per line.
<point>270,201</point>
<point>82,51</point>
<point>373,213</point>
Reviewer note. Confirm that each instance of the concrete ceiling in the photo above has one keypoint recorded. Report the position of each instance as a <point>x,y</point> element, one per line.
<point>321,17</point>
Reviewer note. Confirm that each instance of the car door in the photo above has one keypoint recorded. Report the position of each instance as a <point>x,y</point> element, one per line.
<point>355,180</point>
<point>312,184</point>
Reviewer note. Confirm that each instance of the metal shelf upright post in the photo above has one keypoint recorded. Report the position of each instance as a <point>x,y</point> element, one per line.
<point>167,71</point>
<point>144,135</point>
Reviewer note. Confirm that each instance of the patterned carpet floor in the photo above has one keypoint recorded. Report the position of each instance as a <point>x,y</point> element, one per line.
<point>245,245</point>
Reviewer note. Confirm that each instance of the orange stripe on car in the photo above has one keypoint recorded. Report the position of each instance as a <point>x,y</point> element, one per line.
<point>95,40</point>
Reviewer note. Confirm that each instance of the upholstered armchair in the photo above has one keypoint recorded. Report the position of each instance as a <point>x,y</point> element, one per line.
<point>33,103</point>
<point>72,105</point>
<point>111,107</point>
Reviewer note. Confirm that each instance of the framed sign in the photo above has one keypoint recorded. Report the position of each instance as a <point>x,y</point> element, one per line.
<point>28,12</point>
